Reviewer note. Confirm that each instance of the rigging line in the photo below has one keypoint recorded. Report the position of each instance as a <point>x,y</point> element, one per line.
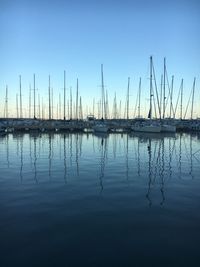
<point>154,103</point>
<point>177,99</point>
<point>169,91</point>
<point>136,103</point>
<point>188,104</point>
<point>158,102</point>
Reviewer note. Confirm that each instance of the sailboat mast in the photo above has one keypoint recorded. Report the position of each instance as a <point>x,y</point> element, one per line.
<point>20,96</point>
<point>139,96</point>
<point>193,89</point>
<point>70,103</point>
<point>42,109</point>
<point>161,94</point>
<point>120,109</point>
<point>6,104</point>
<point>64,98</point>
<point>49,97</point>
<point>93,109</point>
<point>171,96</point>
<point>164,97</point>
<point>17,109</point>
<point>59,107</point>
<point>102,92</point>
<point>151,93</point>
<point>29,101</point>
<point>34,96</point>
<point>77,99</point>
<point>39,115</point>
<point>181,107</point>
<point>80,110</point>
<point>115,107</point>
<point>127,114</point>
<point>106,106</point>
<point>52,104</point>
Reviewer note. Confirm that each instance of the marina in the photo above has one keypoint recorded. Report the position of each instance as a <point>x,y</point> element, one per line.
<point>163,115</point>
<point>112,125</point>
<point>99,133</point>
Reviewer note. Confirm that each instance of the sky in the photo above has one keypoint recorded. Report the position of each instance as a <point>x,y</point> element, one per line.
<point>48,37</point>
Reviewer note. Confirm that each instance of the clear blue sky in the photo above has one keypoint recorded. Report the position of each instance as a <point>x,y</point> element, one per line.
<point>47,37</point>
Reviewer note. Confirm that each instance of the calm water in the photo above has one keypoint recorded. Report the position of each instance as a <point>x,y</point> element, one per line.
<point>86,200</point>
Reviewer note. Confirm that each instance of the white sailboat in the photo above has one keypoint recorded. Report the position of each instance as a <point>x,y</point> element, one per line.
<point>148,125</point>
<point>167,128</point>
<point>101,126</point>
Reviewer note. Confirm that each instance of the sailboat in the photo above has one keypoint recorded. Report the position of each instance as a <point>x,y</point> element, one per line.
<point>101,126</point>
<point>167,125</point>
<point>168,128</point>
<point>148,125</point>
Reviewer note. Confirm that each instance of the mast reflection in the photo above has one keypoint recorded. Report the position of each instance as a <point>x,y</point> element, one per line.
<point>103,153</point>
<point>65,159</point>
<point>151,160</point>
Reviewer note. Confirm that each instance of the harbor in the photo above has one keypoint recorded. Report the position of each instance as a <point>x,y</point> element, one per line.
<point>113,125</point>
<point>100,133</point>
<point>165,114</point>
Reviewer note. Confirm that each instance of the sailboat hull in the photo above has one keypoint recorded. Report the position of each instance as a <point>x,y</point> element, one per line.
<point>168,128</point>
<point>100,128</point>
<point>147,128</point>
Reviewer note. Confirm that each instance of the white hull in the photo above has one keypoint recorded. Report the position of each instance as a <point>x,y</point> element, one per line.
<point>147,128</point>
<point>168,128</point>
<point>100,128</point>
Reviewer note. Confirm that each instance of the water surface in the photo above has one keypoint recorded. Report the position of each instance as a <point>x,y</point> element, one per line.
<point>111,200</point>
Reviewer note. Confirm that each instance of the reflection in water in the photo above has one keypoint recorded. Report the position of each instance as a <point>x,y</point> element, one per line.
<point>138,158</point>
<point>154,159</point>
<point>180,155</point>
<point>7,151</point>
<point>21,158</point>
<point>77,153</point>
<point>65,163</point>
<point>127,158</point>
<point>35,160</point>
<point>190,158</point>
<point>50,154</point>
<point>149,172</point>
<point>162,169</point>
<point>103,153</point>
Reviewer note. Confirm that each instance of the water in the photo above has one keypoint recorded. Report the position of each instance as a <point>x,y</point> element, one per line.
<point>86,200</point>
